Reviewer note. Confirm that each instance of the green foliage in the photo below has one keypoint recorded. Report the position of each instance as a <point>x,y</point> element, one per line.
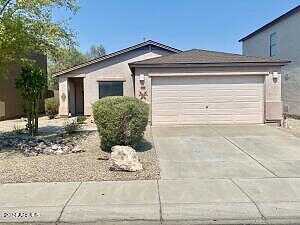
<point>96,51</point>
<point>120,120</point>
<point>28,26</point>
<point>71,126</point>
<point>81,119</point>
<point>31,84</point>
<point>18,129</point>
<point>51,107</point>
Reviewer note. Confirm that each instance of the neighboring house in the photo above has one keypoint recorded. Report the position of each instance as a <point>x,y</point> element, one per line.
<point>280,39</point>
<point>11,103</point>
<point>190,87</point>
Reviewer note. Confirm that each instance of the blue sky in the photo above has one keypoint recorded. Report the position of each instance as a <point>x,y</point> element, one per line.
<point>184,24</point>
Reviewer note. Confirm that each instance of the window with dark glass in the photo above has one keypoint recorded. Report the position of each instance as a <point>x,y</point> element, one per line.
<point>273,44</point>
<point>110,88</point>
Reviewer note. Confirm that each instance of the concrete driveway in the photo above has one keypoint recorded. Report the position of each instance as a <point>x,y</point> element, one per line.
<point>229,173</point>
<point>249,151</point>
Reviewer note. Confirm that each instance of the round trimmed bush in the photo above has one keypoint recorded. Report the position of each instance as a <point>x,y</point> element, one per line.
<point>120,120</point>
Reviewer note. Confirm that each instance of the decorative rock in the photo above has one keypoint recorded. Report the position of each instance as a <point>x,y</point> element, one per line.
<point>33,146</point>
<point>54,147</point>
<point>30,153</point>
<point>76,149</point>
<point>125,158</point>
<point>48,151</point>
<point>59,152</point>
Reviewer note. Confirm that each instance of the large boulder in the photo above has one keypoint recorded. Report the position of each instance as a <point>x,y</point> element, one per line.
<point>125,158</point>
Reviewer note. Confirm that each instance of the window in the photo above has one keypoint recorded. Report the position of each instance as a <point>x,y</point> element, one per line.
<point>273,44</point>
<point>110,88</point>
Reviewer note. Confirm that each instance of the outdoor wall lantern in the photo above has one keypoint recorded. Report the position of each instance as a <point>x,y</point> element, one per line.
<point>275,76</point>
<point>142,77</point>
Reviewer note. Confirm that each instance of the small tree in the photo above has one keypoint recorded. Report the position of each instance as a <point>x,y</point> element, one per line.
<point>32,83</point>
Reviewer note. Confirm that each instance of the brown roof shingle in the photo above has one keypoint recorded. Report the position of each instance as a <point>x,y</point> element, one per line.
<point>197,56</point>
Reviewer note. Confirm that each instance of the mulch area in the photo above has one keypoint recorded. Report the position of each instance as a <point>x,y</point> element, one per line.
<point>90,165</point>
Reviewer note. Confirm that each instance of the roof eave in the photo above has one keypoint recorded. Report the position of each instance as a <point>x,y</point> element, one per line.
<point>108,56</point>
<point>181,65</point>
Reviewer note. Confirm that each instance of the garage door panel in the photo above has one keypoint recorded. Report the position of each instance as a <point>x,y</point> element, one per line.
<point>245,118</point>
<point>207,100</point>
<point>191,112</point>
<point>166,113</point>
<point>246,99</point>
<point>247,105</point>
<point>191,100</point>
<point>193,105</point>
<point>170,106</point>
<point>162,101</point>
<point>218,112</point>
<point>216,105</point>
<point>196,119</point>
<point>190,94</point>
<point>166,120</point>
<point>164,94</point>
<point>219,119</point>
<point>221,99</point>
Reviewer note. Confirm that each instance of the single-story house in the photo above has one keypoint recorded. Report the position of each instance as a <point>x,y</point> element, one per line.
<point>181,87</point>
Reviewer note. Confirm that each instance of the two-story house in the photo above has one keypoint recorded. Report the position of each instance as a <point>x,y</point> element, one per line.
<point>280,39</point>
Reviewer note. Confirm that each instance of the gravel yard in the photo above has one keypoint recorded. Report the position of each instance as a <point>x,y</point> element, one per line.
<point>91,165</point>
<point>293,126</point>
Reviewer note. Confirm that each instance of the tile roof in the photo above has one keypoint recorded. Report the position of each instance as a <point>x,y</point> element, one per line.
<point>197,56</point>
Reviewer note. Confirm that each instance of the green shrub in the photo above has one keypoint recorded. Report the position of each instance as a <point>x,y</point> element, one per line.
<point>18,129</point>
<point>51,107</point>
<point>81,119</point>
<point>120,120</point>
<point>71,126</point>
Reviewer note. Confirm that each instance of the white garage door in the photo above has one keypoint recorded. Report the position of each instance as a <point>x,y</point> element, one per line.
<point>207,100</point>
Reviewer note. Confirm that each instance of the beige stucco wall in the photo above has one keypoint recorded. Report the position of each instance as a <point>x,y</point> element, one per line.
<point>11,103</point>
<point>288,45</point>
<point>273,103</point>
<point>113,69</point>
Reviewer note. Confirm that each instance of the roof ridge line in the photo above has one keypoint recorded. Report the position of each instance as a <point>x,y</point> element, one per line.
<point>107,56</point>
<point>199,51</point>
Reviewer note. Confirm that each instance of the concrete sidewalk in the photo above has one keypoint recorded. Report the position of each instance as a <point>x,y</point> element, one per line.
<point>190,201</point>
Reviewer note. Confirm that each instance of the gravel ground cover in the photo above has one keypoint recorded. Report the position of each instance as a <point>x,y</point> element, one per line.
<point>90,165</point>
<point>292,126</point>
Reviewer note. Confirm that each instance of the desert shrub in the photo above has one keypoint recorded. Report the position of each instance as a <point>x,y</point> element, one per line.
<point>71,126</point>
<point>120,120</point>
<point>31,84</point>
<point>81,119</point>
<point>18,129</point>
<point>51,107</point>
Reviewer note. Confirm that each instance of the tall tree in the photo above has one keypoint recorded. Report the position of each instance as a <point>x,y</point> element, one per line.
<point>96,51</point>
<point>28,26</point>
